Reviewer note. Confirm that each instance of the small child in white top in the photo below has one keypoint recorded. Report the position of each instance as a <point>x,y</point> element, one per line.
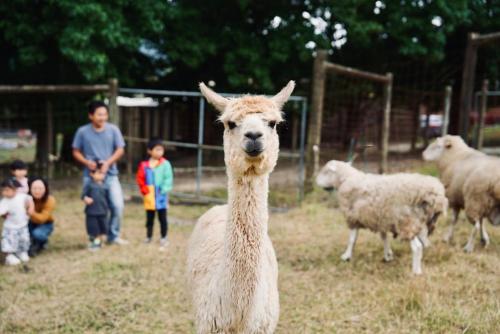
<point>19,170</point>
<point>14,208</point>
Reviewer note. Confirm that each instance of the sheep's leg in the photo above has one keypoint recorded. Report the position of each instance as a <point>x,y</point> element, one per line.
<point>495,216</point>
<point>449,234</point>
<point>485,239</point>
<point>469,247</point>
<point>387,247</point>
<point>417,252</point>
<point>353,236</point>
<point>424,237</point>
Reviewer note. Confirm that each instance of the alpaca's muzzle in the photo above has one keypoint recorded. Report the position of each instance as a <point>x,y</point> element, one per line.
<point>253,148</point>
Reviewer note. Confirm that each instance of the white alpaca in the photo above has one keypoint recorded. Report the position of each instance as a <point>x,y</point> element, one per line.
<point>232,267</point>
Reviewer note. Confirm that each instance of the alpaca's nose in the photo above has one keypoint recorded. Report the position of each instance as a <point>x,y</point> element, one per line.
<point>253,135</point>
<point>253,146</point>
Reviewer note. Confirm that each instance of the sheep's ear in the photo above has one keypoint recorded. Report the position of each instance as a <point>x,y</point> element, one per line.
<point>447,143</point>
<point>218,101</point>
<point>280,98</point>
<point>332,166</point>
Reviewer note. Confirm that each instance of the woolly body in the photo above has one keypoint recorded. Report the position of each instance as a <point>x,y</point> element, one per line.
<point>482,191</point>
<point>407,205</point>
<point>399,203</point>
<point>455,164</point>
<point>472,182</point>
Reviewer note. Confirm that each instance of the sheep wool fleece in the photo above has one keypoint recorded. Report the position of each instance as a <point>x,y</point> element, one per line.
<point>397,203</point>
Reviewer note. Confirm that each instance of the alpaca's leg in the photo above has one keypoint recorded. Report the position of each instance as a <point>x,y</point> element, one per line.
<point>417,252</point>
<point>485,239</point>
<point>449,234</point>
<point>387,247</point>
<point>350,247</point>
<point>469,247</point>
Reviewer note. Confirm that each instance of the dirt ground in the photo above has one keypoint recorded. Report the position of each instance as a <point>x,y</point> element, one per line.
<point>139,289</point>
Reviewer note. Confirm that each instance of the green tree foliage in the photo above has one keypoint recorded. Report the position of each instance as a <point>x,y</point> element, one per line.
<point>240,44</point>
<point>74,41</point>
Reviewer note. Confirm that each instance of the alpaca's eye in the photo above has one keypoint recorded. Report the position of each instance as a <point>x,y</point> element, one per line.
<point>231,125</point>
<point>272,124</point>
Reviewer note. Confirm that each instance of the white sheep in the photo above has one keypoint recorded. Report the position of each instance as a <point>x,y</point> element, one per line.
<point>406,205</point>
<point>472,182</point>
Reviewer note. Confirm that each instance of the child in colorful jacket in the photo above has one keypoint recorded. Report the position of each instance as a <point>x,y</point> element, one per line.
<point>155,181</point>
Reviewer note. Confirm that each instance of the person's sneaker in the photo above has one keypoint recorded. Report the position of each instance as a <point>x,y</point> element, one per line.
<point>12,260</point>
<point>24,257</point>
<point>163,242</point>
<point>95,245</point>
<point>148,240</point>
<point>119,241</point>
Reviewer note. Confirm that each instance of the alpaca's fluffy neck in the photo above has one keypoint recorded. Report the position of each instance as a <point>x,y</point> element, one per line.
<point>245,231</point>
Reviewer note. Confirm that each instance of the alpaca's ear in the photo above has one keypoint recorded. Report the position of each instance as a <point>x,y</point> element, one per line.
<point>218,101</point>
<point>280,98</point>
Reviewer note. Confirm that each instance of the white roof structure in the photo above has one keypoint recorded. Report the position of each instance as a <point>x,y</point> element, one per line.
<point>124,101</point>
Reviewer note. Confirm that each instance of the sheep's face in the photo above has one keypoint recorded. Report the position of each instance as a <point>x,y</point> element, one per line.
<point>328,177</point>
<point>441,146</point>
<point>435,150</point>
<point>251,143</point>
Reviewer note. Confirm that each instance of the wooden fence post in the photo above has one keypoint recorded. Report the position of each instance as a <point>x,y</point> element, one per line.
<point>47,159</point>
<point>113,105</point>
<point>386,124</point>
<point>482,114</point>
<point>467,85</point>
<point>316,116</point>
<point>446,116</point>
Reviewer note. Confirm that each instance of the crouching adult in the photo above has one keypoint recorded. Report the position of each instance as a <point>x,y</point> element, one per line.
<point>41,223</point>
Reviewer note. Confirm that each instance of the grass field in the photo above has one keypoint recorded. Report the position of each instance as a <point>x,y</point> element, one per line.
<point>26,154</point>
<point>492,135</point>
<point>137,289</point>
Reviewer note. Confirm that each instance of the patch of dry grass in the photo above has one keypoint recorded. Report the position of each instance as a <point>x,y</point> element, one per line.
<point>137,289</point>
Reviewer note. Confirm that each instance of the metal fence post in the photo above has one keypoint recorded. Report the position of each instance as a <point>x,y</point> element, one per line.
<point>447,104</point>
<point>386,125</point>
<point>303,121</point>
<point>201,125</point>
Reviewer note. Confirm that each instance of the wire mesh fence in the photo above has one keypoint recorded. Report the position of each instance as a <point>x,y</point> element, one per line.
<point>193,138</point>
<point>352,118</point>
<point>490,136</point>
<point>417,116</point>
<point>39,127</point>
